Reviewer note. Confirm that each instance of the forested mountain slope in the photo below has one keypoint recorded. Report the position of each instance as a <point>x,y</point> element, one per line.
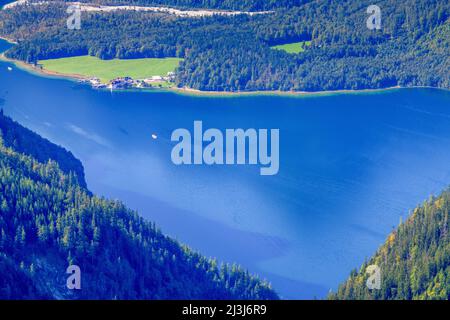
<point>234,53</point>
<point>48,221</point>
<point>26,141</point>
<point>415,260</point>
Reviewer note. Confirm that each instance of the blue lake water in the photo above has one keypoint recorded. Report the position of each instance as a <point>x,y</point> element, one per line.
<point>351,165</point>
<point>3,2</point>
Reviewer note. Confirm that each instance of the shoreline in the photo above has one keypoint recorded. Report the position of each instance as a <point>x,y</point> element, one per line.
<point>195,92</point>
<point>10,41</point>
<point>41,72</point>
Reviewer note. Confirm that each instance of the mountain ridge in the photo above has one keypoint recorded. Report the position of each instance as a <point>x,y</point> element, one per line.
<point>414,262</point>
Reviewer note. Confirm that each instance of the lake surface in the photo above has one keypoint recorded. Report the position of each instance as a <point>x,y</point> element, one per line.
<point>3,2</point>
<point>351,165</point>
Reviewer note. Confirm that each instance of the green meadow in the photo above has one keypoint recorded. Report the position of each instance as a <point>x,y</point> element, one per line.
<point>107,70</point>
<point>295,47</point>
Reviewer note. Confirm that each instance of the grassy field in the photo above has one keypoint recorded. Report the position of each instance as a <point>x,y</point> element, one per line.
<point>107,70</point>
<point>295,47</point>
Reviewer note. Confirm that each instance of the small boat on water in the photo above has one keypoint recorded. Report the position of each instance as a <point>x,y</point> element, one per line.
<point>154,136</point>
<point>9,69</point>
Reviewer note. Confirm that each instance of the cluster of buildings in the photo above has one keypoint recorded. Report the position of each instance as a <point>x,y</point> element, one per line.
<point>128,82</point>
